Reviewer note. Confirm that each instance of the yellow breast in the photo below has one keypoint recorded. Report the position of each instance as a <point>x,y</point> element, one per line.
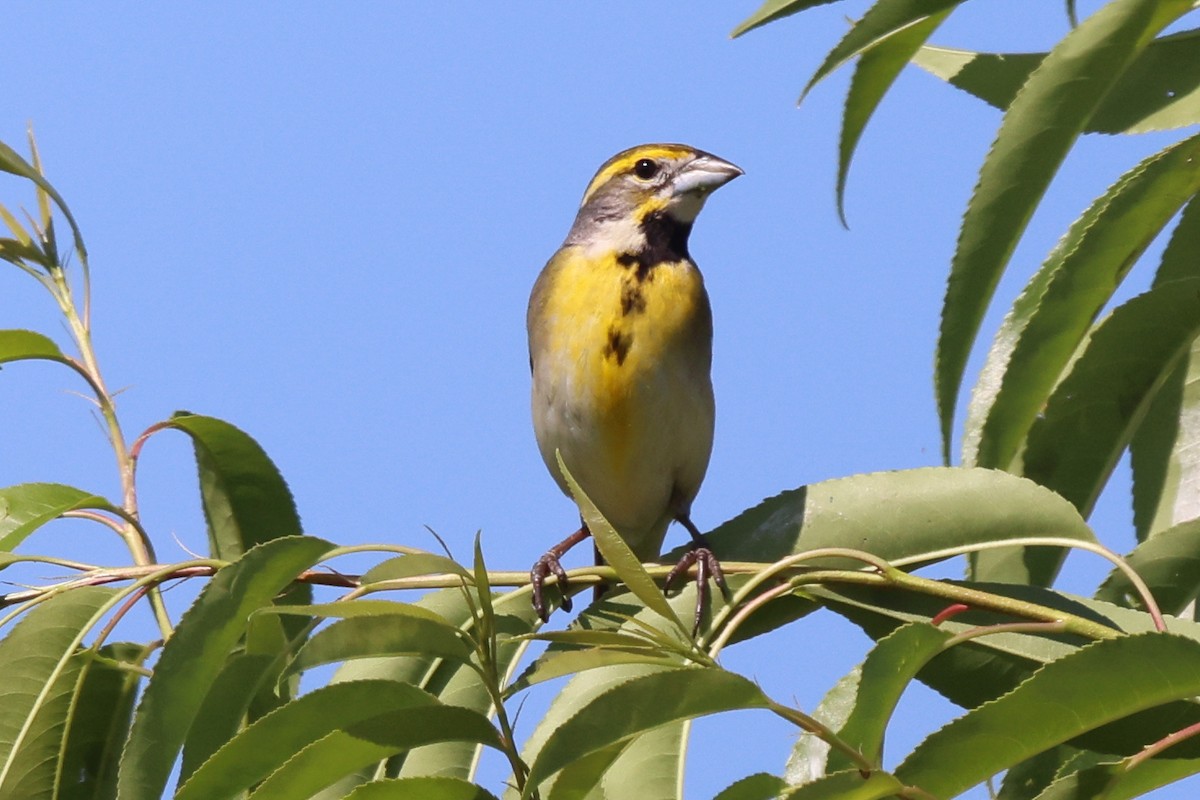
<point>616,334</point>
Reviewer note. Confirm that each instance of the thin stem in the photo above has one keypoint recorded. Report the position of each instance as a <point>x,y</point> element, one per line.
<point>102,576</point>
<point>58,562</point>
<point>135,450</point>
<point>132,600</point>
<point>962,594</point>
<point>486,651</point>
<point>96,516</point>
<point>761,576</point>
<point>132,533</point>
<point>23,606</point>
<point>82,335</point>
<point>124,666</point>
<point>593,575</point>
<point>1129,572</point>
<point>743,613</point>
<point>1150,751</point>
<point>1008,627</point>
<point>520,768</point>
<point>807,723</point>
<point>399,549</point>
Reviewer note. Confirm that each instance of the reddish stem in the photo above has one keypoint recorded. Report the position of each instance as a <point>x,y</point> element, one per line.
<point>949,611</point>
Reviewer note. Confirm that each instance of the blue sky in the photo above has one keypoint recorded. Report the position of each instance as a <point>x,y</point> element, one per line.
<point>321,223</point>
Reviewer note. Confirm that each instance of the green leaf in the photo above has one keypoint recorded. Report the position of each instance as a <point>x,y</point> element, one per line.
<point>849,785</point>
<point>1041,124</point>
<point>907,516</point>
<point>583,777</point>
<point>617,554</point>
<point>1041,333</point>
<point>408,566</point>
<point>887,671</point>
<point>460,685</point>
<point>451,681</point>
<point>640,705</point>
<point>884,19</point>
<point>427,788</point>
<point>984,668</point>
<point>908,607</point>
<point>226,706</point>
<point>13,163</point>
<point>1092,414</point>
<point>885,39</point>
<point>558,664</point>
<point>249,685</point>
<point>42,670</point>
<point>391,635</point>
<point>583,637</point>
<point>341,752</point>
<point>99,723</point>
<point>194,656</point>
<point>772,10</point>
<point>28,506</point>
<point>354,609</point>
<point>15,227</point>
<point>650,766</point>
<point>23,253</point>
<point>486,619</point>
<point>260,749</point>
<point>1116,782</point>
<point>34,763</point>
<point>1164,455</point>
<point>809,758</point>
<point>1100,683</point>
<point>246,501</point>
<point>1169,563</point>
<point>1033,775</point>
<point>877,70</point>
<point>760,786</point>
<point>19,345</point>
<point>1157,91</point>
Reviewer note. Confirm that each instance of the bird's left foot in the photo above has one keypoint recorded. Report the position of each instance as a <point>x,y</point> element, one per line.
<point>707,566</point>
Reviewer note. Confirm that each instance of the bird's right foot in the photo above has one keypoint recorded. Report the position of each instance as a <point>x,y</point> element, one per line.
<point>548,565</point>
<point>544,567</point>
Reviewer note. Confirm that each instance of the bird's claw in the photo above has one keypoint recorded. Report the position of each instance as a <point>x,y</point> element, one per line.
<point>542,568</point>
<point>707,566</point>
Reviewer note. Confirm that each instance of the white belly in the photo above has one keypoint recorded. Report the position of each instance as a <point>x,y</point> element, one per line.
<point>642,460</point>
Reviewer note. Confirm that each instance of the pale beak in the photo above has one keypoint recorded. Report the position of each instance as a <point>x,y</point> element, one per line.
<point>704,174</point>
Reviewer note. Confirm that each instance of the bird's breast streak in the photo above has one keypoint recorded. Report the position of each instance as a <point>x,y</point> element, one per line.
<point>614,328</point>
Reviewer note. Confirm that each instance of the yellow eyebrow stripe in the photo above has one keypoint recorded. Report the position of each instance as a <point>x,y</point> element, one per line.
<point>623,162</point>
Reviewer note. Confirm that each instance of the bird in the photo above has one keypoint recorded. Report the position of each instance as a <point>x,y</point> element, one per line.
<point>620,350</point>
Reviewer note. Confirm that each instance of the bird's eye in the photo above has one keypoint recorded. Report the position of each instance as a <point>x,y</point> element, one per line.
<point>645,169</point>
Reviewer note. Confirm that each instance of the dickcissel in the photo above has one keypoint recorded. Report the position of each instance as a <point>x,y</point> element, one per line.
<point>620,346</point>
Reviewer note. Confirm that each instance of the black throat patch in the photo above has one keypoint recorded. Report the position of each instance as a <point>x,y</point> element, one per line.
<point>666,241</point>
